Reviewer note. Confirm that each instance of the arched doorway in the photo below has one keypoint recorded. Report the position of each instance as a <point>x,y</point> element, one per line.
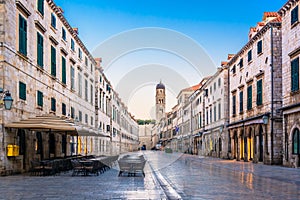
<point>260,144</point>
<point>235,151</point>
<point>220,147</point>
<point>250,145</point>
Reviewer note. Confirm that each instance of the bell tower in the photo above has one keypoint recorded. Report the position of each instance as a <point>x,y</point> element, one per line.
<point>160,98</point>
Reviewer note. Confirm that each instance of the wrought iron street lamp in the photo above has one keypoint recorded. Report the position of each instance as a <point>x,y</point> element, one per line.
<point>7,99</point>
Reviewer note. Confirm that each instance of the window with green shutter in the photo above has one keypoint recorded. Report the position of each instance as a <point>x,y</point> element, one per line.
<point>40,50</point>
<point>53,104</point>
<point>53,20</point>
<point>259,97</point>
<point>259,47</point>
<point>72,112</point>
<point>72,78</point>
<point>241,101</point>
<point>249,55</point>
<point>295,75</point>
<point>233,104</point>
<point>40,6</point>
<point>53,61</point>
<point>220,112</point>
<point>249,97</point>
<point>22,35</point>
<point>86,90</point>
<point>40,97</point>
<point>294,15</point>
<point>64,34</point>
<point>22,90</point>
<point>241,63</point>
<point>72,45</point>
<point>63,109</point>
<point>63,70</point>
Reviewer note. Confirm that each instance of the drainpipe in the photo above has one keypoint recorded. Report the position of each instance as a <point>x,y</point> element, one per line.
<point>272,94</point>
<point>228,104</point>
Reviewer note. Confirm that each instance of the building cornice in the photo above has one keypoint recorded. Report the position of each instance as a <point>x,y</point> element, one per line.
<point>254,39</point>
<point>59,13</point>
<point>286,7</point>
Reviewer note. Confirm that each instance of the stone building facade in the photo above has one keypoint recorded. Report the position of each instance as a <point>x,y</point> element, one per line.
<point>255,95</point>
<point>290,82</point>
<point>213,117</point>
<point>48,71</point>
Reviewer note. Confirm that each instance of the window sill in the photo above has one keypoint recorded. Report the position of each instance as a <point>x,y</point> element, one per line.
<point>40,14</point>
<point>249,62</point>
<point>292,93</point>
<point>22,55</point>
<point>259,54</point>
<point>249,110</point>
<point>64,85</point>
<point>39,107</point>
<point>53,28</point>
<point>294,24</point>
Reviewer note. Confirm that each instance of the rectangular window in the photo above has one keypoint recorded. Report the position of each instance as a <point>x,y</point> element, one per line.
<point>53,61</point>
<point>40,97</point>
<point>72,45</point>
<point>63,109</point>
<point>92,121</point>
<point>295,74</point>
<point>241,63</point>
<point>63,34</point>
<point>53,104</point>
<point>22,35</point>
<point>40,6</point>
<point>63,70</point>
<point>53,20</point>
<point>259,93</point>
<point>80,116</point>
<point>215,113</point>
<point>233,105</point>
<point>86,62</point>
<point>294,15</point>
<point>92,94</point>
<point>210,114</point>
<point>219,111</point>
<point>86,90</point>
<point>249,55</point>
<point>219,82</point>
<point>259,47</point>
<point>215,86</point>
<point>72,112</point>
<point>79,53</point>
<point>40,50</point>
<point>233,69</point>
<point>79,84</point>
<point>86,119</point>
<point>22,90</point>
<point>249,97</point>
<point>92,68</point>
<point>241,101</point>
<point>72,78</point>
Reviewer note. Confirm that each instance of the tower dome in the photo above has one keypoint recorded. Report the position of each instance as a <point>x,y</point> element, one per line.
<point>160,86</point>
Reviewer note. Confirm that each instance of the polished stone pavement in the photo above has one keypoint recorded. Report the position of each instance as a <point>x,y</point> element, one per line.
<point>167,176</point>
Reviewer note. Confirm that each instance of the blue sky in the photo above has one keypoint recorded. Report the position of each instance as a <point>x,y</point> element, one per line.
<point>219,27</point>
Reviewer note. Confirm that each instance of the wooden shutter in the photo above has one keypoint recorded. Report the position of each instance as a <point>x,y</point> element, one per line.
<point>53,61</point>
<point>63,70</point>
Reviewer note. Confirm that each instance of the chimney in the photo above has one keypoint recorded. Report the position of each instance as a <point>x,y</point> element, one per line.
<point>230,56</point>
<point>76,30</point>
<point>98,61</point>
